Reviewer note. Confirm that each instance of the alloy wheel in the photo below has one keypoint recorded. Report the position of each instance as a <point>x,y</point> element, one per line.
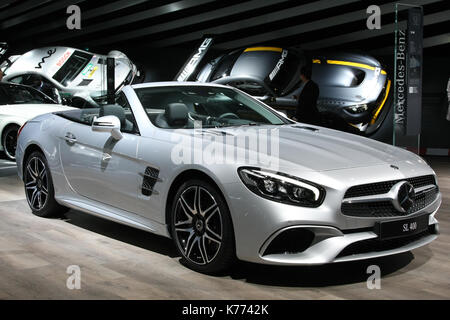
<point>10,143</point>
<point>36,183</point>
<point>198,225</point>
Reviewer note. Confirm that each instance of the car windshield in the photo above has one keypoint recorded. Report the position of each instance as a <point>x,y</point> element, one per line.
<point>24,95</point>
<point>73,66</point>
<point>204,106</point>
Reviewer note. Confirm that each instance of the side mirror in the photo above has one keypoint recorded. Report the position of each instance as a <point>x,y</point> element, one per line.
<point>108,124</point>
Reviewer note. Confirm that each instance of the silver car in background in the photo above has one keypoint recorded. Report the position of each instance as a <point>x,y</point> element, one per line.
<point>70,73</point>
<point>355,89</point>
<point>331,197</point>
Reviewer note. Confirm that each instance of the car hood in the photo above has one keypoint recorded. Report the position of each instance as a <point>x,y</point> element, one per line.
<point>310,148</point>
<point>28,111</point>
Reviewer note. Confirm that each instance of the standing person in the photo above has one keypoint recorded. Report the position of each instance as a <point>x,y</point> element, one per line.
<point>307,111</point>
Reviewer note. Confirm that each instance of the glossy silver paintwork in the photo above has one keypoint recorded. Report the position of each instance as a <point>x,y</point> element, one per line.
<point>103,177</point>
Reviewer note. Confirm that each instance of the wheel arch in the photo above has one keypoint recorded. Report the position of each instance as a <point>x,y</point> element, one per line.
<point>3,130</point>
<point>8,125</point>
<point>184,176</point>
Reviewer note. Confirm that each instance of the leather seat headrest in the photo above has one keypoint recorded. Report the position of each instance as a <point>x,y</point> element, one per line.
<point>176,114</point>
<point>113,110</point>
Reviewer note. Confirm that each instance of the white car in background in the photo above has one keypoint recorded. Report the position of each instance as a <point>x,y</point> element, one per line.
<point>18,104</point>
<point>66,73</point>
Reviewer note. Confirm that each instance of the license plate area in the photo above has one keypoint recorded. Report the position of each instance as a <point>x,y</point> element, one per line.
<point>401,228</point>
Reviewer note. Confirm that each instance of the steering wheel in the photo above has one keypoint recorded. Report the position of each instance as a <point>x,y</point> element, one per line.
<point>228,115</point>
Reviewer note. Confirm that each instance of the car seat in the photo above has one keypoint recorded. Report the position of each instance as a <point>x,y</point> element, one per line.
<point>174,116</point>
<point>116,110</point>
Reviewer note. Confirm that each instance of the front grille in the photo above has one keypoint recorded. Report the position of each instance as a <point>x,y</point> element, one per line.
<point>383,187</point>
<point>376,245</point>
<point>385,208</point>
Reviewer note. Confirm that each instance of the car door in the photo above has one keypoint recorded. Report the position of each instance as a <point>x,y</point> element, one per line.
<point>96,165</point>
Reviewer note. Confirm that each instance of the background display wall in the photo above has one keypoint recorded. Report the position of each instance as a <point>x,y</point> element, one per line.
<point>160,35</point>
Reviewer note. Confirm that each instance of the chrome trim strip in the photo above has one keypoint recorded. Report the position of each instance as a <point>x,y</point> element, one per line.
<point>150,177</point>
<point>426,188</point>
<point>153,191</point>
<point>320,233</point>
<point>410,246</point>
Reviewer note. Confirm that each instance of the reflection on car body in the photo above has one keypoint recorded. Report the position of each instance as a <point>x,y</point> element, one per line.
<point>354,88</point>
<point>331,197</point>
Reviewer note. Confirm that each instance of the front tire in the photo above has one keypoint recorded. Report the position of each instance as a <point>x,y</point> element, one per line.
<point>201,228</point>
<point>9,141</point>
<point>39,189</point>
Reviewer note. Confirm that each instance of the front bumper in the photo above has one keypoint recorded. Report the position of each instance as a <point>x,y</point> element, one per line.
<point>336,246</point>
<point>337,237</point>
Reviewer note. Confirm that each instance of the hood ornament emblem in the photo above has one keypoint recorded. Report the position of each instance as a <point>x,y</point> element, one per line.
<point>404,195</point>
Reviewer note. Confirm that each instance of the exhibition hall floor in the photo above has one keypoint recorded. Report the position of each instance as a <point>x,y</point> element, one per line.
<point>119,262</point>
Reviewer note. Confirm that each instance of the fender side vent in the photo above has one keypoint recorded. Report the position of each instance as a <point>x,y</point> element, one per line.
<point>150,177</point>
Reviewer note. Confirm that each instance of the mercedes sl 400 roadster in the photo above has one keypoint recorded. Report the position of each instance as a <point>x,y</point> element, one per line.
<point>179,160</point>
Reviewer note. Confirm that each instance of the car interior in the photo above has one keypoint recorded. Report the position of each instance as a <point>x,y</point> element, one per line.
<point>188,108</point>
<point>175,108</point>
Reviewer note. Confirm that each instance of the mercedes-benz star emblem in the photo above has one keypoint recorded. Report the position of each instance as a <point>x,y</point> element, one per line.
<point>404,199</point>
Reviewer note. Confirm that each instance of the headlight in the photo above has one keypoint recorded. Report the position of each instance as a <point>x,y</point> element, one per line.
<point>281,187</point>
<point>358,108</point>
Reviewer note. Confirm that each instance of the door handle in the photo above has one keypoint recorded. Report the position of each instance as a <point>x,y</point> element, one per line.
<point>69,137</point>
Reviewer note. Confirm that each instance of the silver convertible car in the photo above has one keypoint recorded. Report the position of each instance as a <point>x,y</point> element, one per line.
<point>180,160</point>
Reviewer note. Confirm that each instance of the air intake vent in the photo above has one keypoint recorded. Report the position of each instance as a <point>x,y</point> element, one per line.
<point>150,178</point>
<point>290,241</point>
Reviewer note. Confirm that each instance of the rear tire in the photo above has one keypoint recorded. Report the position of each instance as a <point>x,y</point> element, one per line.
<point>201,228</point>
<point>39,189</point>
<point>9,141</point>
